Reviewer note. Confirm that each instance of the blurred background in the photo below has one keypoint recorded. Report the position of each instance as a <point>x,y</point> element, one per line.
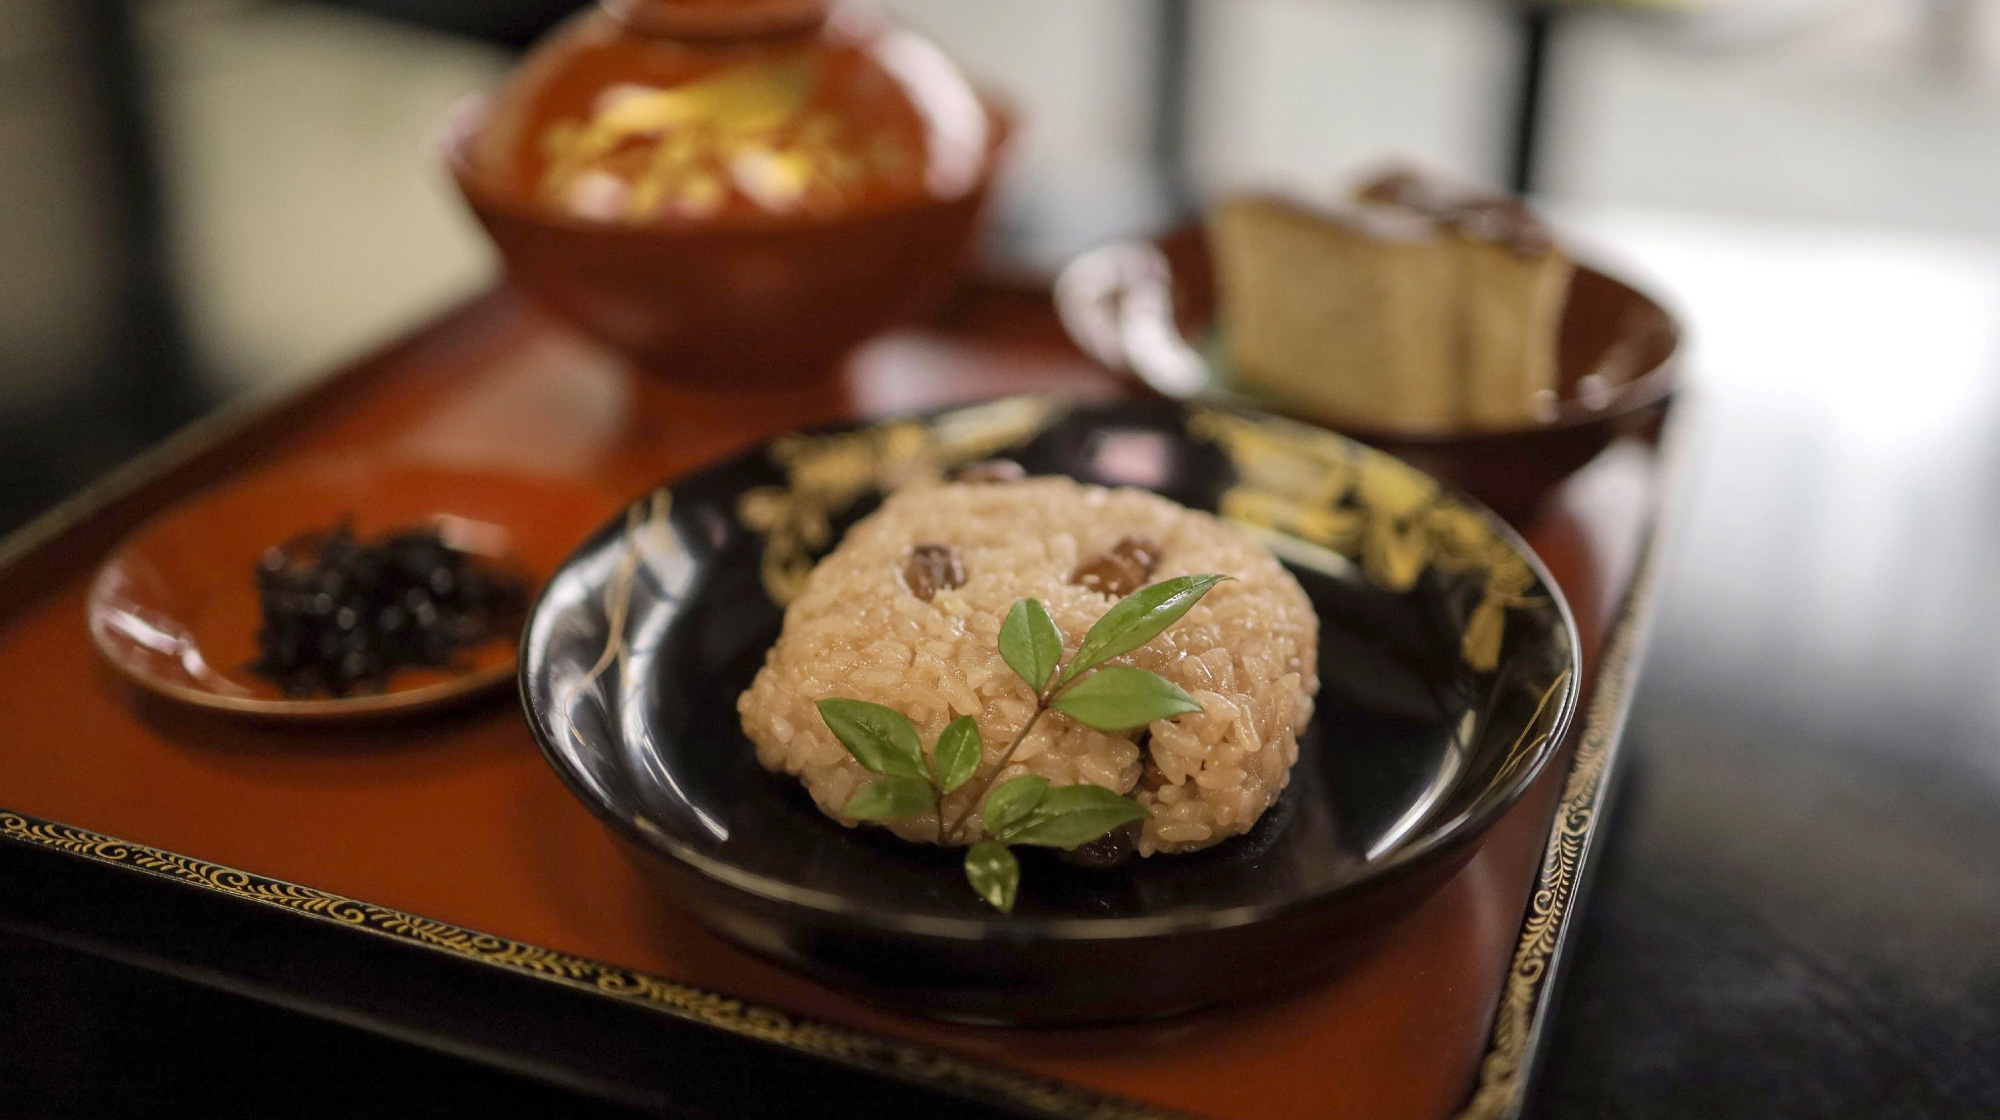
<point>205,201</point>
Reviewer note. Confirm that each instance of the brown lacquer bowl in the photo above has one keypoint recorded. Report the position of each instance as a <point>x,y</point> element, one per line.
<point>737,206</point>
<point>1149,307</point>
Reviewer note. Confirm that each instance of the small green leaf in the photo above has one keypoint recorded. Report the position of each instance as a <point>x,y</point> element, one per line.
<point>1010,803</point>
<point>1072,815</point>
<point>1120,698</point>
<point>880,738</point>
<point>1031,643</point>
<point>994,873</point>
<point>1137,619</point>
<point>958,752</point>
<point>892,798</point>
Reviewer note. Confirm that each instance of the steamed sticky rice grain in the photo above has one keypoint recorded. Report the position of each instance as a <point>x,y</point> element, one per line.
<point>1246,653</point>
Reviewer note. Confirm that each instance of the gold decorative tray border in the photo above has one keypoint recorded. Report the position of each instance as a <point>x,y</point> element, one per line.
<point>1500,1093</point>
<point>854,1048</point>
<point>1502,1071</point>
<point>1502,1080</point>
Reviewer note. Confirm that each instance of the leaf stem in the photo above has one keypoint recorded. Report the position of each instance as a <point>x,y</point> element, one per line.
<point>1041,705</point>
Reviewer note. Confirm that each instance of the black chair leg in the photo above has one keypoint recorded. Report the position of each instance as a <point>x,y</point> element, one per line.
<point>1537,26</point>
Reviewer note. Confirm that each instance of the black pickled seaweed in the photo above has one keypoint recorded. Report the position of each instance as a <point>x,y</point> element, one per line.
<point>341,616</point>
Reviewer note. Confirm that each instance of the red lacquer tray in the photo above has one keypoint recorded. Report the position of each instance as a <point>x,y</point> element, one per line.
<point>373,852</point>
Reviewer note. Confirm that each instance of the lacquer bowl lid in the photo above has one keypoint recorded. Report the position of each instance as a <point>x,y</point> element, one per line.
<point>688,112</point>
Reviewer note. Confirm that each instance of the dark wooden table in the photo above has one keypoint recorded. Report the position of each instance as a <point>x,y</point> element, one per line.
<point>1799,914</point>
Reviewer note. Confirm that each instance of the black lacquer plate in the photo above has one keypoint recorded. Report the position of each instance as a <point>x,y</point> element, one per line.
<point>1448,663</point>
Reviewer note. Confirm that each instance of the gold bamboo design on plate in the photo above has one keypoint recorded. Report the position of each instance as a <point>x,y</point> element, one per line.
<point>1366,506</point>
<point>645,524</point>
<point>826,475</point>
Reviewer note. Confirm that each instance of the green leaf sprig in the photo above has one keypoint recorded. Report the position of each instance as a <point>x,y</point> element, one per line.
<point>1024,810</point>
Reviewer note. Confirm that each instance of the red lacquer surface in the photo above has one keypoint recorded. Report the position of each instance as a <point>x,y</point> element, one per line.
<point>456,817</point>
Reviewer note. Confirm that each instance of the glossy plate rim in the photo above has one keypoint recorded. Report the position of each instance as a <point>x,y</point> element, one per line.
<point>1436,842</point>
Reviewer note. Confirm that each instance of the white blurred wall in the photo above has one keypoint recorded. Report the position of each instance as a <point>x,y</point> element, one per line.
<point>310,218</point>
<point>1860,116</point>
<point>54,282</point>
<point>1304,92</point>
